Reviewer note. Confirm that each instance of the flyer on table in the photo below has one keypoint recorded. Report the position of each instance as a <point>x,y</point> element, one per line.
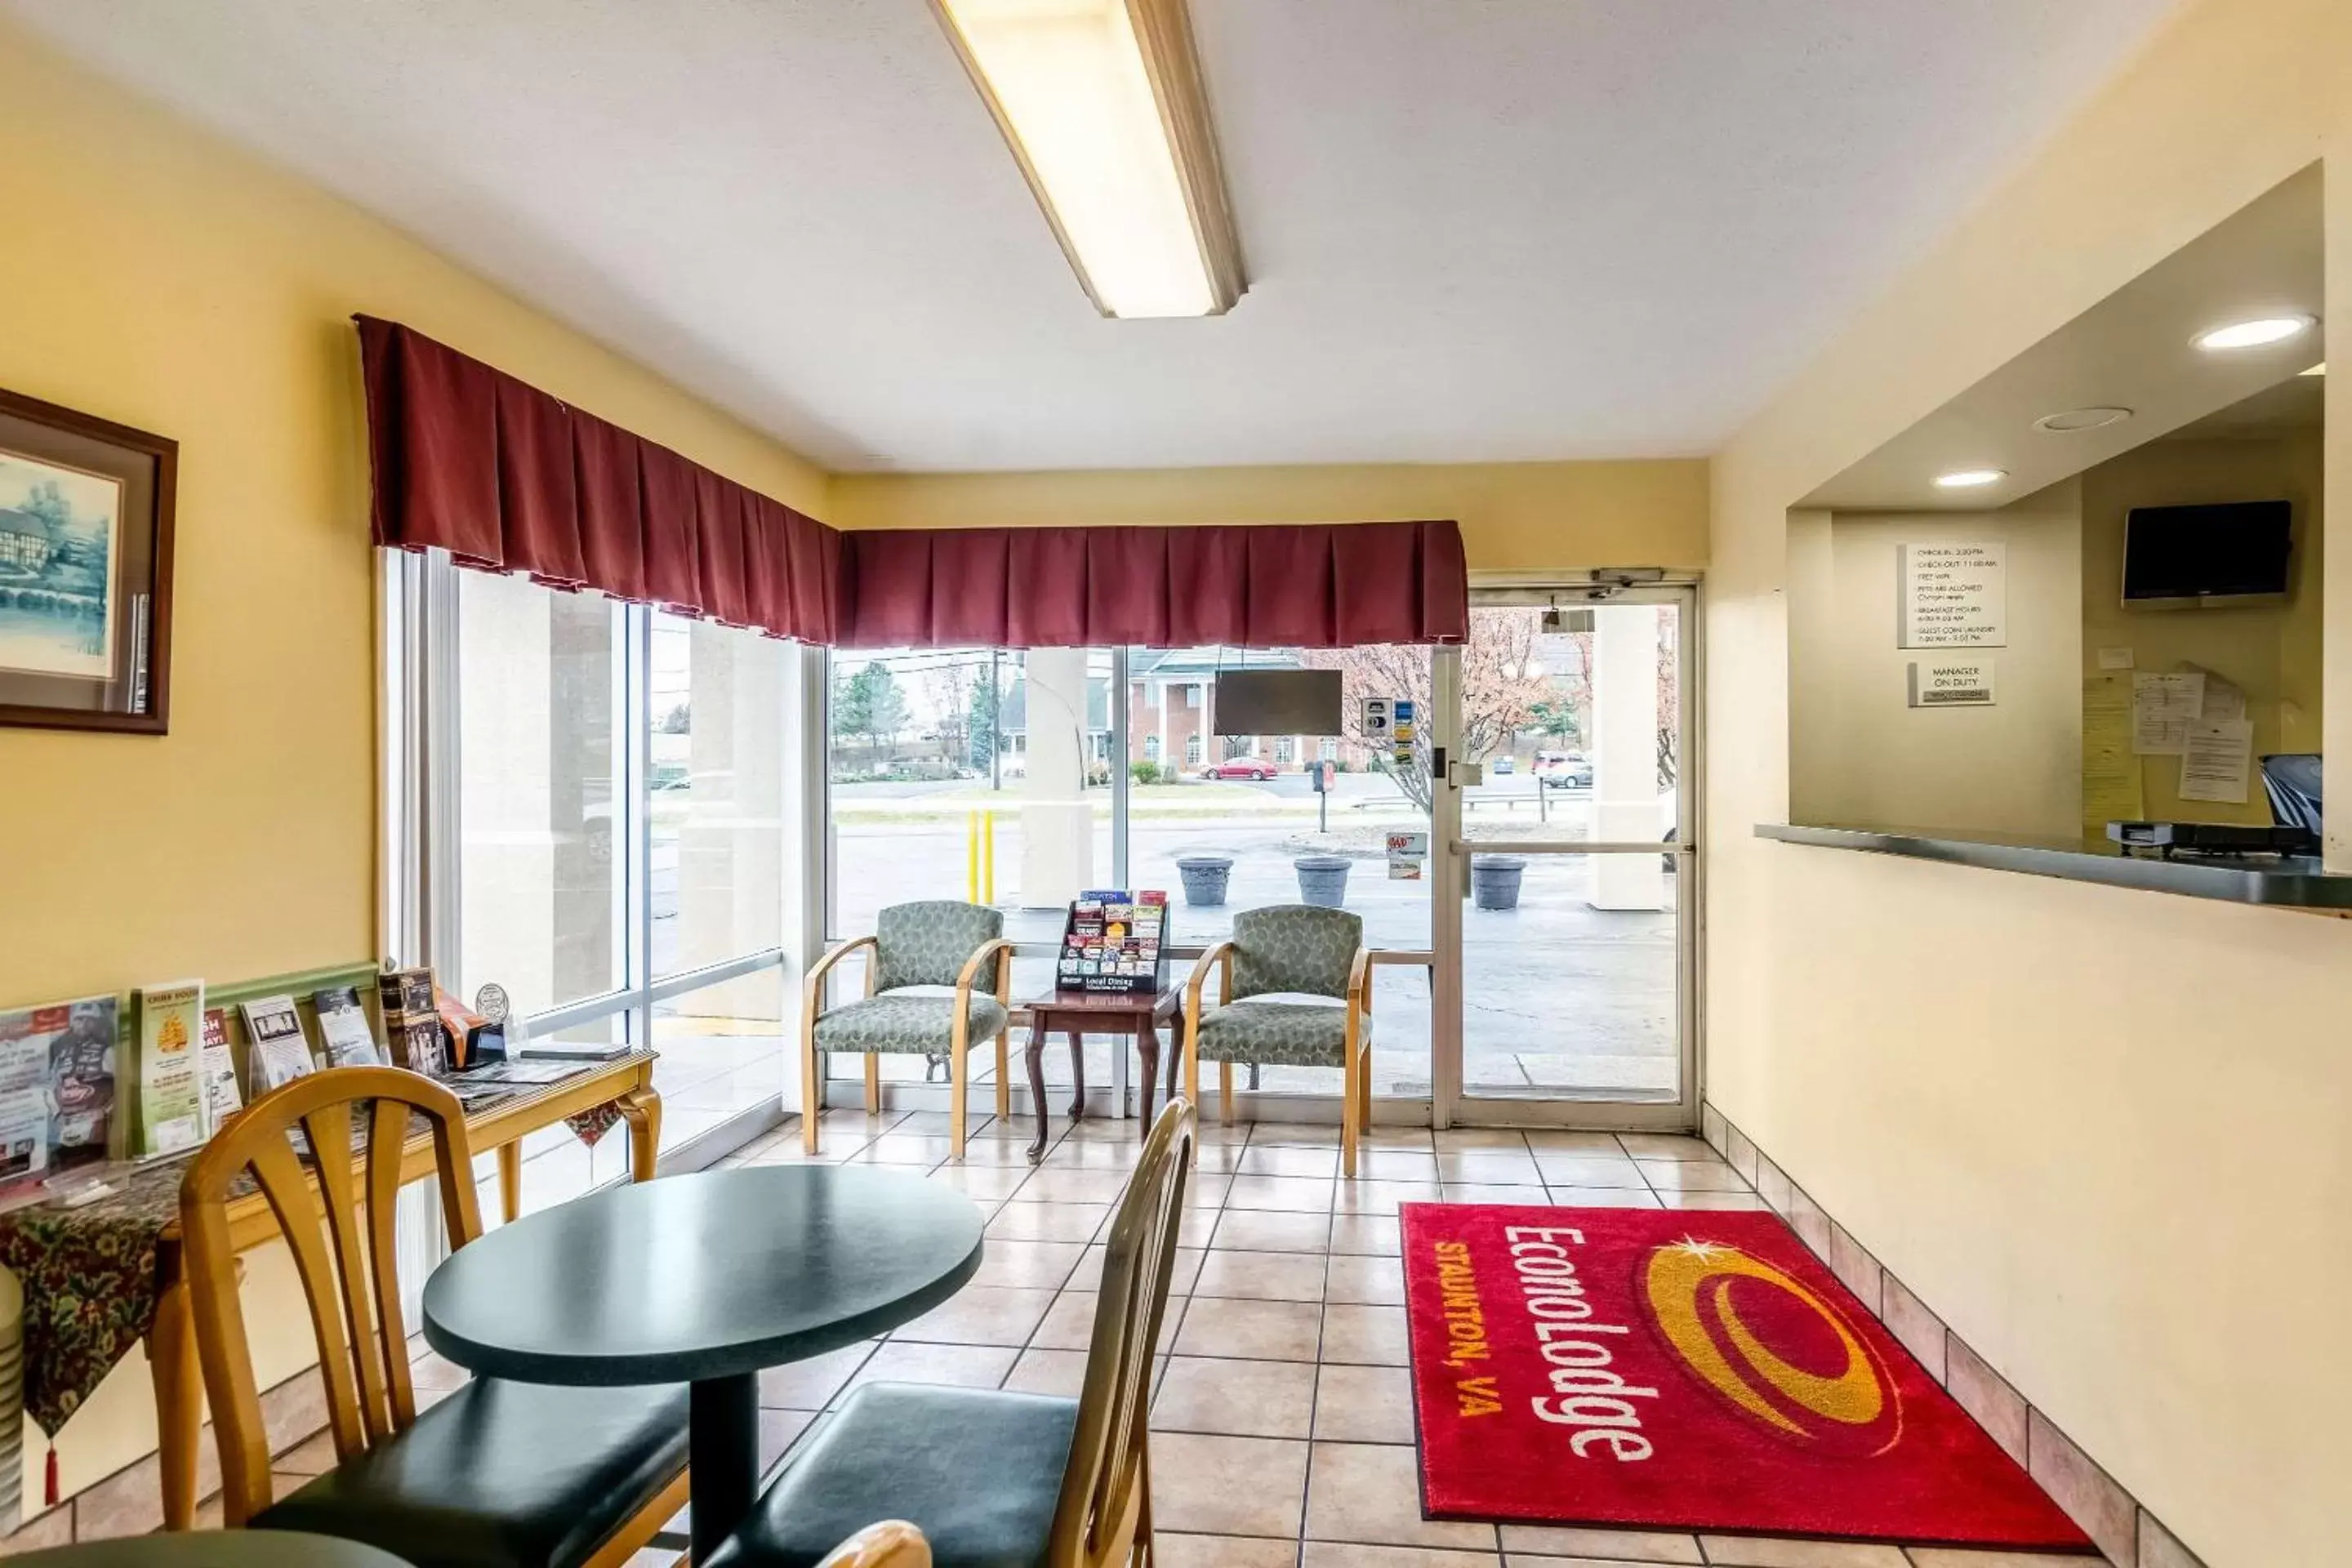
<point>171,1083</point>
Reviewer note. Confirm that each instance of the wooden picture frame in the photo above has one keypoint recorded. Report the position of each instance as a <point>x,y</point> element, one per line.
<point>86,513</point>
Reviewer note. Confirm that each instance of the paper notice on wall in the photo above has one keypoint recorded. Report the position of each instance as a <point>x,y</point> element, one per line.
<point>2223,703</point>
<point>2112,786</point>
<point>2163,707</point>
<point>2115,658</point>
<point>2218,761</point>
<point>1952,595</point>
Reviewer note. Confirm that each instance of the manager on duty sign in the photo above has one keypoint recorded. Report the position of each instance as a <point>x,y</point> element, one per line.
<point>1939,683</point>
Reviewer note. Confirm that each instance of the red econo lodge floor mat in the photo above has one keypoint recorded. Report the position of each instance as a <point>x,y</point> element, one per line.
<point>1684,1370</point>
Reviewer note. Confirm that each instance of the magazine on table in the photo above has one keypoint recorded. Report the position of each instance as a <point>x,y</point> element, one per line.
<point>1111,943</point>
<point>343,1028</point>
<point>24,1095</point>
<point>280,1052</point>
<point>218,1070</point>
<point>170,1080</point>
<point>411,1022</point>
<point>82,1078</point>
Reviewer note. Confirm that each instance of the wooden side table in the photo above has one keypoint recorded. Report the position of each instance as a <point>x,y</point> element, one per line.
<point>1082,1013</point>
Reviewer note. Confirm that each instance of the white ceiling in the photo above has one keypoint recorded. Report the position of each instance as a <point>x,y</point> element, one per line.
<point>2132,350</point>
<point>1475,229</point>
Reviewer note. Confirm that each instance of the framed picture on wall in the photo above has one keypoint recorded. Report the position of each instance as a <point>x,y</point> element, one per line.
<point>85,570</point>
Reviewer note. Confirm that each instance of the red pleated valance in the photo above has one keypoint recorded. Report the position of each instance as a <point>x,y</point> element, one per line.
<point>1292,586</point>
<point>506,477</point>
<point>469,460</point>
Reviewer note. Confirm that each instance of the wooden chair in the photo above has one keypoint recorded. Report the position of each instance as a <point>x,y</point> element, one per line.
<point>1287,949</point>
<point>995,1479</point>
<point>498,1475</point>
<point>893,1543</point>
<point>936,943</point>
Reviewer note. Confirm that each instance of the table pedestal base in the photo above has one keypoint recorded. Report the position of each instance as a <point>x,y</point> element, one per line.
<point>723,1439</point>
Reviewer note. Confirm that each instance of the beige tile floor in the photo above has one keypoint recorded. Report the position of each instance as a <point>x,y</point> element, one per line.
<point>1282,1425</point>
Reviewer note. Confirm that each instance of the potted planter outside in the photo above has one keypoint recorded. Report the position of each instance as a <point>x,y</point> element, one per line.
<point>1322,880</point>
<point>1204,877</point>
<point>1495,880</point>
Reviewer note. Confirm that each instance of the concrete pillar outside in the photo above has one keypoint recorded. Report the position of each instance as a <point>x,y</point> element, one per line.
<point>1625,755</point>
<point>504,719</point>
<point>731,844</point>
<point>1057,836</point>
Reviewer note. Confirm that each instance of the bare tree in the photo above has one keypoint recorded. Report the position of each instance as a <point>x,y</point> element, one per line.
<point>1669,695</point>
<point>947,688</point>
<point>1502,684</point>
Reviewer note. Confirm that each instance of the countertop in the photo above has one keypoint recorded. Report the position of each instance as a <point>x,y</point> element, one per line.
<point>2285,881</point>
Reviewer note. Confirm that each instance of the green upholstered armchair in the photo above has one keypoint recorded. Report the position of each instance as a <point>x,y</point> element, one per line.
<point>917,951</point>
<point>1278,957</point>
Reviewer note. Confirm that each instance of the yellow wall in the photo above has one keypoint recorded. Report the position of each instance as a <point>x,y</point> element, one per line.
<point>2272,653</point>
<point>153,276</point>
<point>2103,1147</point>
<point>1515,517</point>
<point>1861,755</point>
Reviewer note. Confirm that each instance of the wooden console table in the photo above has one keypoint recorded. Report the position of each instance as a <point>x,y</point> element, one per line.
<point>624,1085</point>
<point>1082,1013</point>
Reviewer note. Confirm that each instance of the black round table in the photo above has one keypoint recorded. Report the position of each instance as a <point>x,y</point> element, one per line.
<point>704,1278</point>
<point>217,1549</point>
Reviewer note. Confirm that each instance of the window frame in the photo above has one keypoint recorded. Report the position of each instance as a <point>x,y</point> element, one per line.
<point>421,839</point>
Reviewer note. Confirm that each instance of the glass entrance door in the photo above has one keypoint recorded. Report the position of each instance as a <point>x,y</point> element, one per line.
<point>1565,952</point>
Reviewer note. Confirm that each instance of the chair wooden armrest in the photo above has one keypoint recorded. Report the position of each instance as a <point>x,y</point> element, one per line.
<point>893,1543</point>
<point>812,988</point>
<point>1360,983</point>
<point>1219,957</point>
<point>971,967</point>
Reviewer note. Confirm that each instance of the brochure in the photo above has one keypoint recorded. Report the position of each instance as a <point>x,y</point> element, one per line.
<point>281,1054</point>
<point>343,1028</point>
<point>24,1095</point>
<point>411,1025</point>
<point>80,1039</point>
<point>218,1070</point>
<point>170,1087</point>
<point>1111,941</point>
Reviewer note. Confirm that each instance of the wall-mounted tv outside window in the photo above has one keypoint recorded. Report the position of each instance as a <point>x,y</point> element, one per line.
<point>1277,702</point>
<point>2210,557</point>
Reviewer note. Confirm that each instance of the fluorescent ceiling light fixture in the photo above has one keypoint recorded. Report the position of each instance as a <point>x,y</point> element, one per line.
<point>1102,103</point>
<point>2255,335</point>
<point>1971,478</point>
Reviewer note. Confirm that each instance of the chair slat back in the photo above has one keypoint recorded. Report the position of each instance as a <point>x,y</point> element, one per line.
<point>343,1247</point>
<point>1103,1487</point>
<point>928,943</point>
<point>1301,948</point>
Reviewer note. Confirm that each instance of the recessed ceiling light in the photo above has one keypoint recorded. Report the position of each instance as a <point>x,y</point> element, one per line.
<point>1102,103</point>
<point>2319,369</point>
<point>2255,335</point>
<point>2078,419</point>
<point>1971,478</point>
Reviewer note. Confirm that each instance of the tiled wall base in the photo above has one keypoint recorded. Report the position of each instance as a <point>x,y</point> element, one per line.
<point>131,1501</point>
<point>2129,1535</point>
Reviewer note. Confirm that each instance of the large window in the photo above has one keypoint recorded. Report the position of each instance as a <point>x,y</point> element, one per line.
<point>621,855</point>
<point>975,775</point>
<point>991,775</point>
<point>542,755</point>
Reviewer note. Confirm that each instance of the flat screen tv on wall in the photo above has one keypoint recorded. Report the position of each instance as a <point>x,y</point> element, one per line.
<point>2206,557</point>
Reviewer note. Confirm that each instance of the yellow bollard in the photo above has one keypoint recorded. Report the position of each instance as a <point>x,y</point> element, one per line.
<point>988,858</point>
<point>971,856</point>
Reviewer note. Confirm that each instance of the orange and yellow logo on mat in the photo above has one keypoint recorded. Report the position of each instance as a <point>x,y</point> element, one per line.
<point>1773,1347</point>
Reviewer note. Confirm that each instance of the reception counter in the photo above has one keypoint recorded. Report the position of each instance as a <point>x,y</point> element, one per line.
<point>2289,881</point>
